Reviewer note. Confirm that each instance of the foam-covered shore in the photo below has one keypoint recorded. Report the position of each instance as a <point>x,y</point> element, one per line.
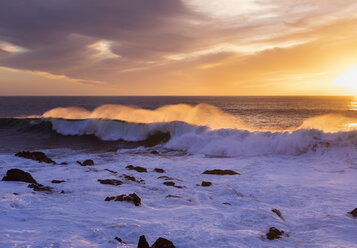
<point>313,193</point>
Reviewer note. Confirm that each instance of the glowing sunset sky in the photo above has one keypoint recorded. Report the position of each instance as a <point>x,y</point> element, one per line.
<point>178,47</point>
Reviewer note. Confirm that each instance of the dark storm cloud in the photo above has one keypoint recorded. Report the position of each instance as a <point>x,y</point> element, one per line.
<point>58,33</point>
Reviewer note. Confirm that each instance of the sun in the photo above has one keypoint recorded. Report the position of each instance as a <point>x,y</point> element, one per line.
<point>348,80</point>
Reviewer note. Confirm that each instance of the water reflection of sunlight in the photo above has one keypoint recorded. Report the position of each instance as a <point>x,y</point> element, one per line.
<point>353,104</point>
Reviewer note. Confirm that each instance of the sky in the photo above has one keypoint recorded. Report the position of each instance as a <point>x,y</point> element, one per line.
<point>178,47</point>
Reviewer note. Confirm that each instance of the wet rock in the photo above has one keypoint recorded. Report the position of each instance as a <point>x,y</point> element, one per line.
<point>169,183</point>
<point>111,171</point>
<point>39,187</point>
<point>134,198</point>
<point>353,212</point>
<point>154,152</point>
<point>173,196</point>
<point>57,181</point>
<point>157,138</point>
<point>136,168</point>
<point>120,240</point>
<point>220,172</point>
<point>143,243</point>
<point>274,233</point>
<point>278,213</point>
<point>169,178</point>
<point>172,184</point>
<point>206,184</point>
<point>86,162</point>
<point>163,243</point>
<point>131,178</point>
<point>110,181</point>
<point>38,156</point>
<point>18,175</point>
<point>158,170</point>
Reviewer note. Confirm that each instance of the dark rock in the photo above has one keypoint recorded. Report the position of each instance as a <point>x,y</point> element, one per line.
<point>220,172</point>
<point>353,212</point>
<point>154,152</point>
<point>163,243</point>
<point>169,178</point>
<point>57,181</point>
<point>86,162</point>
<point>278,213</point>
<point>157,138</point>
<point>172,184</point>
<point>158,170</point>
<point>109,198</point>
<point>15,193</point>
<point>274,233</point>
<point>169,183</point>
<point>206,184</point>
<point>64,163</point>
<point>129,198</point>
<point>39,187</point>
<point>143,243</point>
<point>227,203</point>
<point>136,168</point>
<point>18,175</point>
<point>131,178</point>
<point>38,156</point>
<point>111,171</point>
<point>119,240</point>
<point>173,196</point>
<point>110,181</point>
<point>62,192</point>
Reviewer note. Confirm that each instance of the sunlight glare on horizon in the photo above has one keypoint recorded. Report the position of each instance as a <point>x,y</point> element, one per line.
<point>348,80</point>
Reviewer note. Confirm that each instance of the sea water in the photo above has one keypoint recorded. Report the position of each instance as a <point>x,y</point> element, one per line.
<point>295,154</point>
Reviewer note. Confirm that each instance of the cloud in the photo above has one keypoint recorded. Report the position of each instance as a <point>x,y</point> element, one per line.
<point>158,46</point>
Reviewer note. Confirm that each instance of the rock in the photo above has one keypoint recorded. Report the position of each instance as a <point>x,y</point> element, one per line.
<point>143,243</point>
<point>38,156</point>
<point>169,183</point>
<point>353,212</point>
<point>157,138</point>
<point>220,172</point>
<point>154,152</point>
<point>136,168</point>
<point>131,178</point>
<point>163,243</point>
<point>57,181</point>
<point>120,240</point>
<point>64,163</point>
<point>158,170</point>
<point>110,181</point>
<point>227,203</point>
<point>206,184</point>
<point>62,192</point>
<point>111,171</point>
<point>172,184</point>
<point>278,213</point>
<point>129,198</point>
<point>86,162</point>
<point>18,175</point>
<point>173,196</point>
<point>274,233</point>
<point>39,187</point>
<point>169,178</point>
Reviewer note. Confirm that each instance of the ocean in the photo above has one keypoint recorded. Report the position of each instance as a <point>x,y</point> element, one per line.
<point>296,154</point>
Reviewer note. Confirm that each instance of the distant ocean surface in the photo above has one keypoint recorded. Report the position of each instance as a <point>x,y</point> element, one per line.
<point>272,112</point>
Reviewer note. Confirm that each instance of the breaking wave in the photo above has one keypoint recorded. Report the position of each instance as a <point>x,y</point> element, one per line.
<point>201,129</point>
